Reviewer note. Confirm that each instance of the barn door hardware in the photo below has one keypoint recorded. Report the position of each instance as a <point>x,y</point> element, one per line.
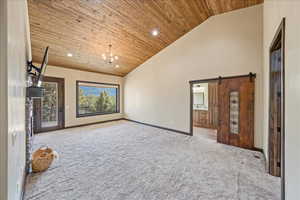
<point>251,76</point>
<point>220,79</point>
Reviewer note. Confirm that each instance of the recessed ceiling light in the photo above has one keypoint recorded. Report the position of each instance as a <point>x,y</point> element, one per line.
<point>155,32</point>
<point>117,66</point>
<point>70,55</point>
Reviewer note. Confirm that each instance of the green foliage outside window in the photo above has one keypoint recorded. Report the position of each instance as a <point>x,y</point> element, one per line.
<point>93,100</point>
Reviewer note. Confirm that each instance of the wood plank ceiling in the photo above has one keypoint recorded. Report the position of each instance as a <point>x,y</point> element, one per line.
<point>86,27</point>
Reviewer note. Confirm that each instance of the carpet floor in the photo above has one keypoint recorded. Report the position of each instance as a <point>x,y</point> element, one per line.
<point>127,161</point>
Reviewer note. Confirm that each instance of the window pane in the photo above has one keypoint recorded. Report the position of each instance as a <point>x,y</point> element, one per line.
<point>234,112</point>
<point>94,98</point>
<point>50,105</point>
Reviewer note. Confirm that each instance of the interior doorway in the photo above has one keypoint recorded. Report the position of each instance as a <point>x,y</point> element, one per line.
<point>48,111</point>
<point>226,105</point>
<point>276,105</point>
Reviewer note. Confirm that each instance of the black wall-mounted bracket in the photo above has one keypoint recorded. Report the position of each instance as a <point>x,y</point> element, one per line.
<point>251,76</point>
<point>30,68</point>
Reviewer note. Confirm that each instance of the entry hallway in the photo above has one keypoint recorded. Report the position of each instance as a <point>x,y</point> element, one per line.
<point>123,160</point>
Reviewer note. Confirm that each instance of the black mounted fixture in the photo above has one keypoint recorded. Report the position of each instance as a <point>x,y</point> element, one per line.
<point>36,74</point>
<point>34,92</point>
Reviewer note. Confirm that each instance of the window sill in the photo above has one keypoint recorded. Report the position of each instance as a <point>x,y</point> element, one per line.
<point>95,114</point>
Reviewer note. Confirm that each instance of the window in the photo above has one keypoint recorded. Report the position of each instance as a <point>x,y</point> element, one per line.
<point>97,98</point>
<point>199,98</point>
<point>234,99</point>
<point>49,104</point>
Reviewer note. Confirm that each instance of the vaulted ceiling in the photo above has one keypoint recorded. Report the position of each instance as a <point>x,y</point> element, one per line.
<point>85,28</point>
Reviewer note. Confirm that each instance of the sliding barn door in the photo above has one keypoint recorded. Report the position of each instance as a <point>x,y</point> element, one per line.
<point>236,112</point>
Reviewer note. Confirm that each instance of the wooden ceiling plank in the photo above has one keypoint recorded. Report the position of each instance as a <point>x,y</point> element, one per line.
<point>86,27</point>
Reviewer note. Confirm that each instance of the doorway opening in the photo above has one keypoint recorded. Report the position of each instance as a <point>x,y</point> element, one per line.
<point>276,106</point>
<point>205,109</point>
<point>48,111</point>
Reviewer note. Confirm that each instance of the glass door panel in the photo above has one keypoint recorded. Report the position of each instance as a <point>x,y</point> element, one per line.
<point>50,105</point>
<point>49,110</point>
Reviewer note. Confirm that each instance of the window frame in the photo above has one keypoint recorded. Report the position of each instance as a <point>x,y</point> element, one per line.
<point>78,115</point>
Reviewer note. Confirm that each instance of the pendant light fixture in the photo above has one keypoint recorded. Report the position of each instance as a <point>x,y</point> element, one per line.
<point>109,58</point>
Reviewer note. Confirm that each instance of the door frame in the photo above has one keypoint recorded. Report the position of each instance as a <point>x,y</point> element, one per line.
<point>250,75</point>
<point>279,37</point>
<point>61,97</point>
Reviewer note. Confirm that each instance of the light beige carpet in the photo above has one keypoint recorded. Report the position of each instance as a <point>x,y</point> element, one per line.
<point>127,161</point>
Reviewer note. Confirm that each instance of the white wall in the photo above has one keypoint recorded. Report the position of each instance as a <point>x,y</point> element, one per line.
<point>13,72</point>
<point>274,11</point>
<point>70,77</point>
<point>157,92</point>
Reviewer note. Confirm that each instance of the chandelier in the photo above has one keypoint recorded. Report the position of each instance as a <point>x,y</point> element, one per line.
<point>109,58</point>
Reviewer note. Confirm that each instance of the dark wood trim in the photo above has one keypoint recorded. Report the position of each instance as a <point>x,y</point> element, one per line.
<point>96,114</point>
<point>191,109</point>
<point>280,30</point>
<point>251,75</point>
<point>160,127</point>
<point>106,121</point>
<point>280,37</point>
<point>64,103</point>
<point>258,149</point>
<point>61,97</point>
<point>88,124</point>
<point>218,79</point>
<point>283,112</point>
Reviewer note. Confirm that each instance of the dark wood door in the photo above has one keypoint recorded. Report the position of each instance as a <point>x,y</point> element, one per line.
<point>276,138</point>
<point>275,117</point>
<point>236,112</point>
<point>48,111</point>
